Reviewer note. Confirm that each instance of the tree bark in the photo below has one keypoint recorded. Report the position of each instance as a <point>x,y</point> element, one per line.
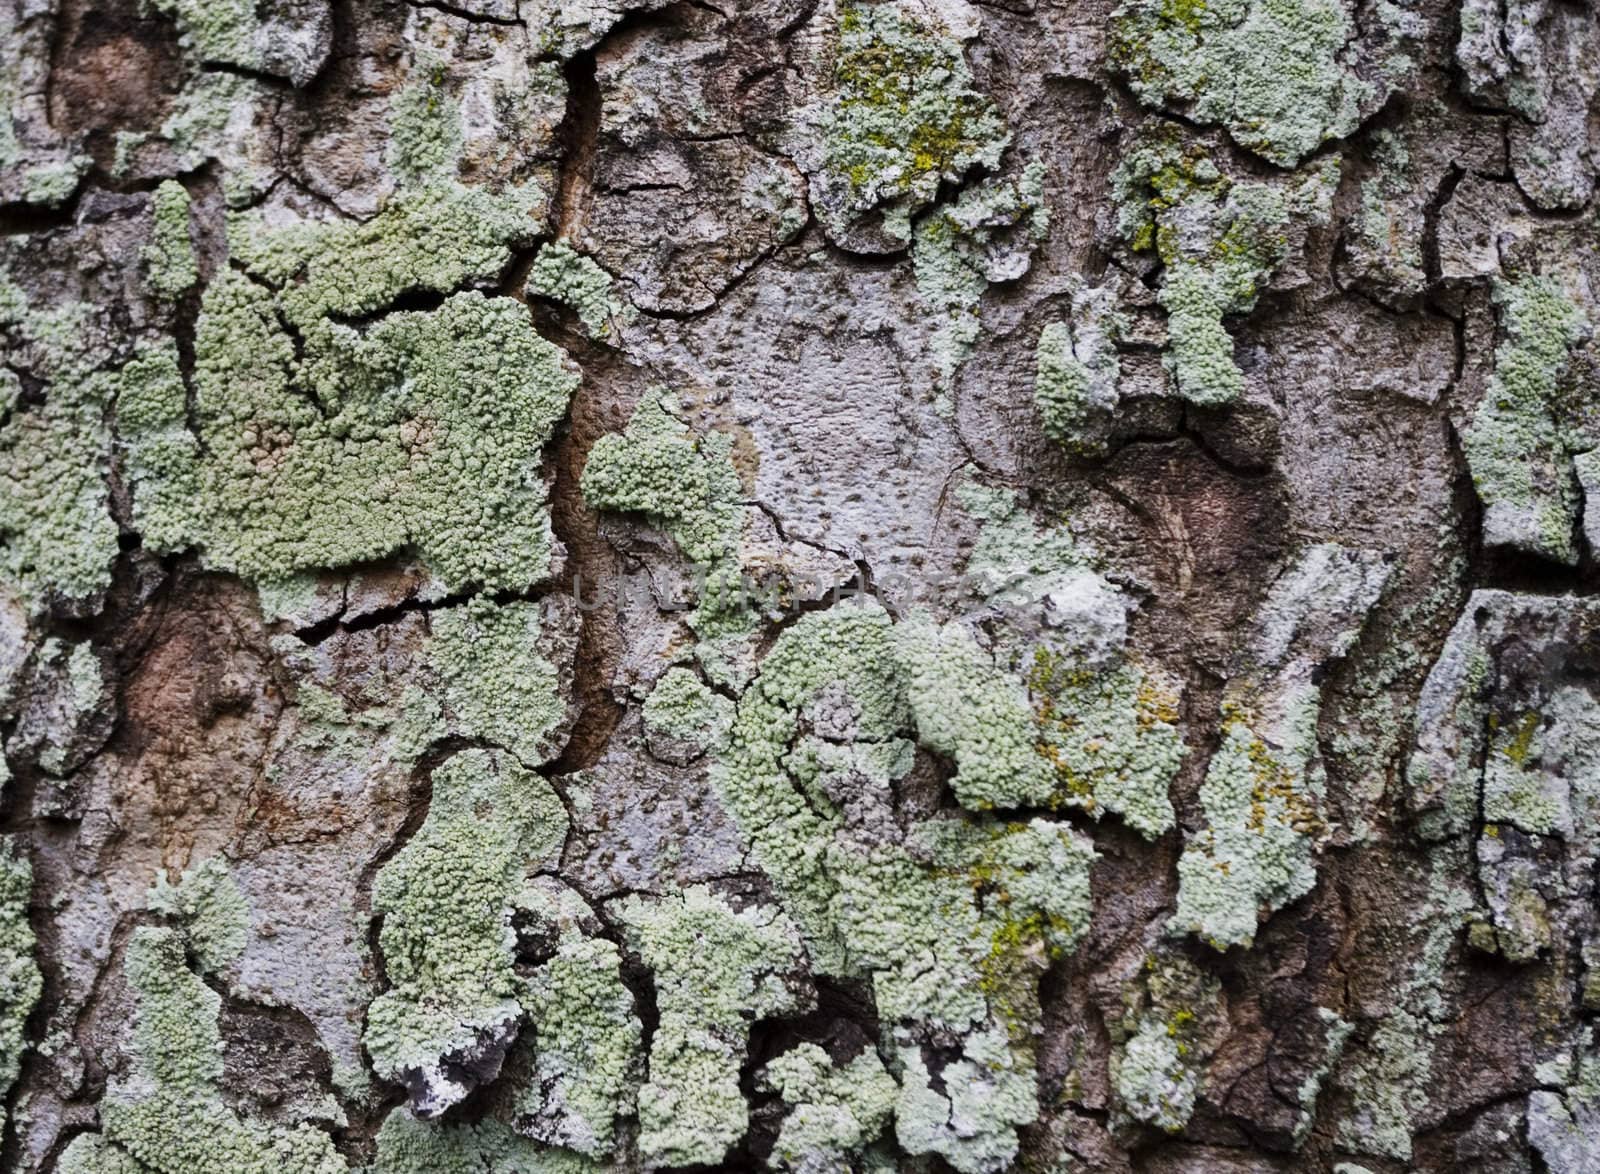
<point>901,586</point>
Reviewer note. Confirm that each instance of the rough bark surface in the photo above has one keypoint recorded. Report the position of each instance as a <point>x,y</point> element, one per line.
<point>904,586</point>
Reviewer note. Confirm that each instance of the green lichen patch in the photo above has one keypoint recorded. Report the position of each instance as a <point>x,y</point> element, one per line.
<point>169,1113</point>
<point>1163,1041</point>
<point>686,484</point>
<point>1264,785</point>
<point>1076,369</point>
<point>971,1122</point>
<point>952,921</point>
<point>1385,241</point>
<point>683,707</point>
<point>81,707</point>
<point>212,119</point>
<point>967,709</point>
<point>220,31</point>
<point>423,433</point>
<point>586,1037</point>
<point>1110,737</point>
<point>446,901</point>
<point>1519,443</point>
<point>1516,788</point>
<point>425,136</point>
<point>1103,726</point>
<point>497,685</point>
<point>1220,241</point>
<point>319,445</point>
<point>903,117</point>
<point>835,1110</point>
<point>210,909</point>
<point>20,981</point>
<point>1277,73</point>
<point>1388,1075</point>
<point>57,538</point>
<point>716,971</point>
<point>564,275</point>
<point>50,183</point>
<point>435,237</point>
<point>987,234</point>
<point>1257,849</point>
<point>169,257</point>
<point>1016,563</point>
<point>407,1145</point>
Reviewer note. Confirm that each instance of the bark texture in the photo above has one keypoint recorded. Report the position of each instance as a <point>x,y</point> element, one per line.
<point>614,585</point>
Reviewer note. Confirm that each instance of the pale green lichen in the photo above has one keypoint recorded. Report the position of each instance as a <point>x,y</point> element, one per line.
<point>497,685</point>
<point>587,1039</point>
<point>210,909</point>
<point>1015,562</point>
<point>169,1113</point>
<point>1388,1076</point>
<point>835,1111</point>
<point>435,237</point>
<point>967,709</point>
<point>1220,241</point>
<point>564,275</point>
<point>1076,370</point>
<point>208,121</point>
<point>1521,437</point>
<point>686,484</point>
<point>1385,242</point>
<point>1153,1082</point>
<point>406,1145</point>
<point>971,1123</point>
<point>682,706</point>
<point>77,706</point>
<point>716,971</point>
<point>52,184</point>
<point>1226,61</point>
<point>169,257</point>
<point>20,981</point>
<point>446,901</point>
<point>1516,788</point>
<point>987,234</point>
<point>903,118</point>
<point>1105,726</point>
<point>220,31</point>
<point>1337,1032</point>
<point>57,538</point>
<point>1564,1120</point>
<point>424,129</point>
<point>789,836</point>
<point>151,413</point>
<point>422,432</point>
<point>89,1153</point>
<point>1110,736</point>
<point>1257,847</point>
<point>951,921</point>
<point>1163,1042</point>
